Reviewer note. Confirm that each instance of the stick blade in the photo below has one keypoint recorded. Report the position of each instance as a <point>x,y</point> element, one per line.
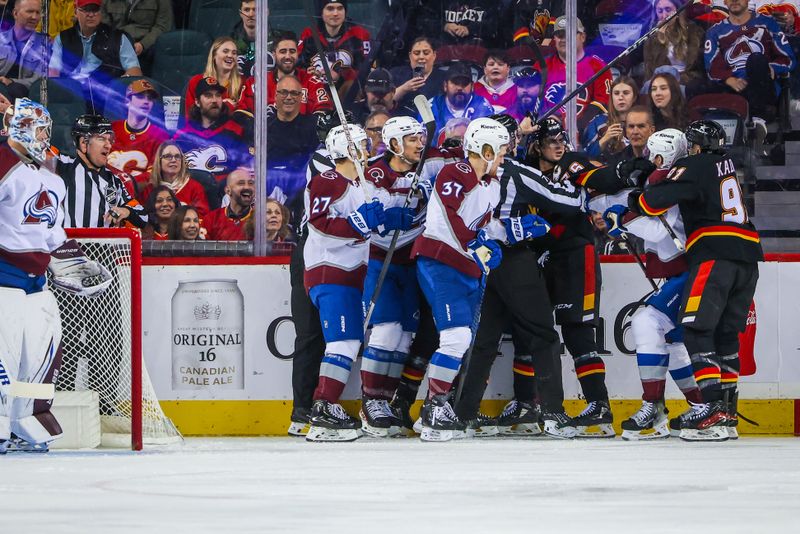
<point>424,107</point>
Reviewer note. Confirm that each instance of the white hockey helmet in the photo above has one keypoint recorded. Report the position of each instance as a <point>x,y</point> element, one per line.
<point>670,144</point>
<point>485,131</point>
<point>397,128</point>
<point>336,142</point>
<point>29,121</point>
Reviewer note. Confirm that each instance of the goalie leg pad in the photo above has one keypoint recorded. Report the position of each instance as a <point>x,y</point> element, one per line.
<point>11,334</point>
<point>39,365</point>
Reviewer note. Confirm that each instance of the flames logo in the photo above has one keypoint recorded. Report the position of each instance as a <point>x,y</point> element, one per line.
<point>41,207</point>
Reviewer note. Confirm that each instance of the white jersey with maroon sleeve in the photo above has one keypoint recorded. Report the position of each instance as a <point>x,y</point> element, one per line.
<point>461,204</point>
<point>31,213</point>
<point>334,253</point>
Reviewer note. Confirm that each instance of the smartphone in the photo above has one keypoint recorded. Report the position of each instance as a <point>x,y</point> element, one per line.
<point>419,72</point>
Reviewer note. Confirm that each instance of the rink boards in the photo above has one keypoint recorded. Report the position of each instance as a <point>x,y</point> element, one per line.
<point>219,355</point>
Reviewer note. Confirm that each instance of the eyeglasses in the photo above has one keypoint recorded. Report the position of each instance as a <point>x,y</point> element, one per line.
<point>171,156</point>
<point>285,92</point>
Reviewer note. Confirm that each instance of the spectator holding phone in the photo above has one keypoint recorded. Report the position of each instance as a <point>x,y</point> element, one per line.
<point>418,77</point>
<point>605,134</point>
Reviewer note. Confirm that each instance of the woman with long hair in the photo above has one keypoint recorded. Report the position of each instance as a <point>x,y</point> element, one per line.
<point>418,77</point>
<point>170,170</point>
<point>667,103</point>
<point>277,216</point>
<point>184,225</point>
<point>679,44</point>
<point>160,207</point>
<point>605,134</point>
<point>222,64</point>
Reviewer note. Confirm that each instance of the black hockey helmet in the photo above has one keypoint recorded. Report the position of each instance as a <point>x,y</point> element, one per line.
<point>549,128</point>
<point>708,135</point>
<point>509,122</point>
<point>328,120</point>
<point>87,125</point>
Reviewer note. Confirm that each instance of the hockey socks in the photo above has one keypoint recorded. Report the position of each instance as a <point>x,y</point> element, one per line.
<point>707,374</point>
<point>333,375</point>
<point>653,373</point>
<point>441,373</point>
<point>591,373</point>
<point>411,378</point>
<point>524,378</point>
<point>375,366</point>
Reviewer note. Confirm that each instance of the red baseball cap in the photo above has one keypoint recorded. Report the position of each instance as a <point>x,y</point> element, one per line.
<point>84,3</point>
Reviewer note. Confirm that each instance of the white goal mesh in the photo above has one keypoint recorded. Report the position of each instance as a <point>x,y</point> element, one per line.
<point>99,346</point>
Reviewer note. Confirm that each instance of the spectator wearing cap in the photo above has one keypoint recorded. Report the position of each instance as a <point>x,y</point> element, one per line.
<point>222,66</point>
<point>91,49</point>
<point>458,99</point>
<point>593,99</point>
<point>418,77</point>
<point>314,98</point>
<point>495,85</point>
<point>528,83</point>
<point>346,44</point>
<point>379,92</point>
<point>470,22</point>
<point>143,21</point>
<point>211,140</point>
<point>136,138</point>
<point>22,49</point>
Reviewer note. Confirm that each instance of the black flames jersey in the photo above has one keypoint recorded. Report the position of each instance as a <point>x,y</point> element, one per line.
<point>711,203</point>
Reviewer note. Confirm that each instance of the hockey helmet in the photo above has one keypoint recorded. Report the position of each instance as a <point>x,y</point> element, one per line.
<point>328,120</point>
<point>708,135</point>
<point>88,125</point>
<point>397,128</point>
<point>31,126</point>
<point>485,131</point>
<point>337,143</point>
<point>511,125</point>
<point>670,144</point>
<point>550,128</point>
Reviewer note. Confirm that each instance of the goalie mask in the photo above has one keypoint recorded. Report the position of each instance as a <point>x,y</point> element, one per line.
<point>30,126</point>
<point>396,129</point>
<point>337,143</point>
<point>670,144</point>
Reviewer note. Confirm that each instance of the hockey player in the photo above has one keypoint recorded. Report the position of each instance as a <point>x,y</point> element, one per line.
<point>656,331</point>
<point>516,294</point>
<point>340,222</point>
<point>394,320</point>
<point>455,250</point>
<point>723,250</point>
<point>32,240</point>
<point>97,196</point>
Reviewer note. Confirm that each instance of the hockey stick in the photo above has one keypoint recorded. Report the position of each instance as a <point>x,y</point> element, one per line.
<point>424,108</point>
<point>678,243</point>
<point>476,321</point>
<point>616,60</point>
<point>30,390</point>
<point>323,58</point>
<point>629,244</point>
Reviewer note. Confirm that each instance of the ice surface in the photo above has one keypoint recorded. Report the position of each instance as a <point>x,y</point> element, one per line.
<point>238,485</point>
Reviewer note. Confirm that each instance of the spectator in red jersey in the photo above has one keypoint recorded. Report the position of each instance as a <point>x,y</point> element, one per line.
<point>587,100</point>
<point>184,225</point>
<point>170,170</point>
<point>346,44</point>
<point>227,222</point>
<point>221,65</point>
<point>667,103</point>
<point>211,140</point>
<point>136,138</point>
<point>159,207</point>
<point>495,85</point>
<point>278,230</point>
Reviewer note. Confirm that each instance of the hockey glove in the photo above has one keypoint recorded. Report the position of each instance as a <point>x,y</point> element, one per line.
<point>367,218</point>
<point>398,219</point>
<point>613,219</point>
<point>634,172</point>
<point>71,271</point>
<point>486,252</point>
<point>633,201</point>
<point>424,190</point>
<point>524,228</point>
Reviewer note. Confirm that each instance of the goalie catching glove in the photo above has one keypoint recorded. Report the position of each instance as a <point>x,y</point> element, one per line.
<point>486,252</point>
<point>71,271</point>
<point>524,228</point>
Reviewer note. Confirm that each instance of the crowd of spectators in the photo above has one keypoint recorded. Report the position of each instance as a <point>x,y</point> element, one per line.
<point>471,58</point>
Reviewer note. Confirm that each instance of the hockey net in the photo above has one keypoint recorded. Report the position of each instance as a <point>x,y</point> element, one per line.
<point>102,348</point>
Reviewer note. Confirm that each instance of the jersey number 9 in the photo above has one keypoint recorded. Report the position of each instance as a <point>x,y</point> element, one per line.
<point>731,201</point>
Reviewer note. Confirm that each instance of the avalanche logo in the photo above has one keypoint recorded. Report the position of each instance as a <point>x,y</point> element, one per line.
<point>736,55</point>
<point>41,207</point>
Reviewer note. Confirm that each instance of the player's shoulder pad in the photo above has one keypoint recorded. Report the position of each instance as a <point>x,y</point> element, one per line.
<point>457,169</point>
<point>377,172</point>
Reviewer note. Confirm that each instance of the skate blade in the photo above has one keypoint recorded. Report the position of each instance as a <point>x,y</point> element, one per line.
<point>318,434</point>
<point>418,426</point>
<point>560,433</point>
<point>646,434</point>
<point>521,430</point>
<point>374,431</point>
<point>714,433</point>
<point>733,433</point>
<point>434,435</point>
<point>484,432</point>
<point>396,431</point>
<point>298,430</point>
<point>596,431</point>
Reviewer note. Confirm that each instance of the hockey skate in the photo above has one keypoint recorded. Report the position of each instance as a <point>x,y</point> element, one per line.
<point>705,422</point>
<point>298,427</point>
<point>733,416</point>
<point>596,415</point>
<point>676,423</point>
<point>482,426</point>
<point>650,422</point>
<point>329,422</point>
<point>519,419</point>
<point>557,424</point>
<point>17,444</point>
<point>4,446</point>
<point>439,421</point>
<point>377,419</point>
<point>401,409</point>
